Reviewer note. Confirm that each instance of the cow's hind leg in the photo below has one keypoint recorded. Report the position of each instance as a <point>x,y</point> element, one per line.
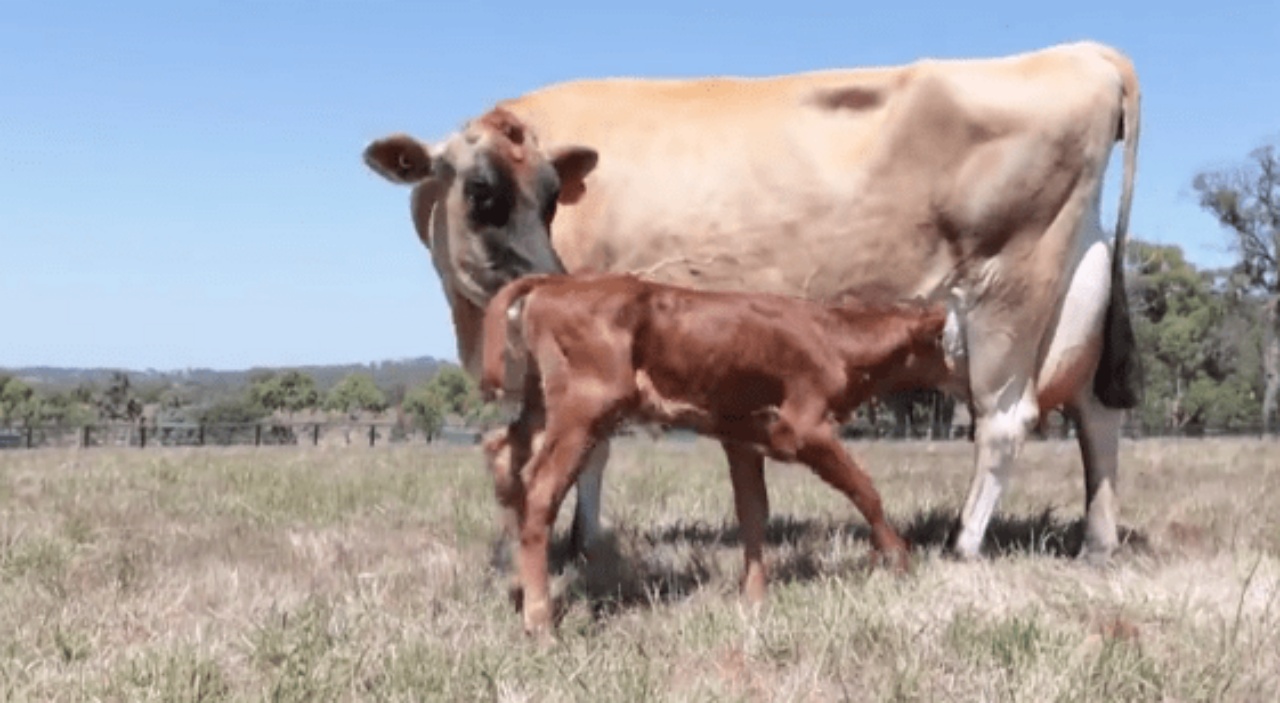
<point>1099,437</point>
<point>586,516</point>
<point>751,501</point>
<point>822,452</point>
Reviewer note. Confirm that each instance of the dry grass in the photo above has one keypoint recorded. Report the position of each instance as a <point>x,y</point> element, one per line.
<point>358,574</point>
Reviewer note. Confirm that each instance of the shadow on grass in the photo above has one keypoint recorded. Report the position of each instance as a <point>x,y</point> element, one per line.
<point>636,568</point>
<point>1042,534</point>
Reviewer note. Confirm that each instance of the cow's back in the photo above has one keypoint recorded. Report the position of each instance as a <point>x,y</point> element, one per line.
<point>808,184</point>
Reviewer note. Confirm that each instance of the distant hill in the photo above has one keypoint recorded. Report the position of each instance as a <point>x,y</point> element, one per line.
<point>386,374</point>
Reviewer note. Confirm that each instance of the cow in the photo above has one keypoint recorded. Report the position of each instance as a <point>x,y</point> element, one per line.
<point>765,374</point>
<point>981,177</point>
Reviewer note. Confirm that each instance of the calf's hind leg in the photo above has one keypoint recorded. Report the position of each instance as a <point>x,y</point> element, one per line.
<point>751,501</point>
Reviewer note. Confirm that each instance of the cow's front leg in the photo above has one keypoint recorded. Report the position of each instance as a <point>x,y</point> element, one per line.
<point>586,516</point>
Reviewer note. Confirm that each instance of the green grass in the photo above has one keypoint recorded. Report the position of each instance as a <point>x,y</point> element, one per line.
<point>358,574</point>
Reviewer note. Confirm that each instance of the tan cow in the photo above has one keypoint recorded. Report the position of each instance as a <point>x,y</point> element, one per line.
<point>981,177</point>
<point>767,375</point>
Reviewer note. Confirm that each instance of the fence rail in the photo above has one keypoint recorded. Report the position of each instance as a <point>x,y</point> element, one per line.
<point>224,434</point>
<point>375,433</point>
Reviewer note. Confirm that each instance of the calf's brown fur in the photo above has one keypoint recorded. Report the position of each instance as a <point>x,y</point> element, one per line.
<point>767,375</point>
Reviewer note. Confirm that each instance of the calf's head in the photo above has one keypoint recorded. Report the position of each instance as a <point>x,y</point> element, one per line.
<point>926,361</point>
<point>483,200</point>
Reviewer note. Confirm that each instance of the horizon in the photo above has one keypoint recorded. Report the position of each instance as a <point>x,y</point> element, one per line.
<point>185,187</point>
<point>237,369</point>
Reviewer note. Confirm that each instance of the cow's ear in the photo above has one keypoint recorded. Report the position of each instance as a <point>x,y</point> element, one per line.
<point>572,164</point>
<point>399,158</point>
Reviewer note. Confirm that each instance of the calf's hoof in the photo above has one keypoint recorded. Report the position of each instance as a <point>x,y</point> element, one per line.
<point>896,559</point>
<point>754,592</point>
<point>538,621</point>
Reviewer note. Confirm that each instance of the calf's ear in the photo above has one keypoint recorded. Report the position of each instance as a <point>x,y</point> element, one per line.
<point>572,164</point>
<point>399,158</point>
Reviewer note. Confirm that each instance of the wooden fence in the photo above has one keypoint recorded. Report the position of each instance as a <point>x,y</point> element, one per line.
<point>375,433</point>
<point>225,434</point>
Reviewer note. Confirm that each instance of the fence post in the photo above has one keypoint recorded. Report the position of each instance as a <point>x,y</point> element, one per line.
<point>29,431</point>
<point>373,434</point>
<point>142,437</point>
<point>84,437</point>
<point>257,435</point>
<point>200,434</point>
<point>315,435</point>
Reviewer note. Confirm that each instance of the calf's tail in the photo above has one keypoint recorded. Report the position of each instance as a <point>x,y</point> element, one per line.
<point>495,332</point>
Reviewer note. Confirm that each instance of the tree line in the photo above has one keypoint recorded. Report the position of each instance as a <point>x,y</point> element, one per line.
<point>1209,341</point>
<point>278,397</point>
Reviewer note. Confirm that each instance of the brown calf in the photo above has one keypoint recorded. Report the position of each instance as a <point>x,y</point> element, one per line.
<point>767,375</point>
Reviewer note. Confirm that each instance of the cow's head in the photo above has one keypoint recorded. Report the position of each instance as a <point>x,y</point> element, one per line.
<point>483,200</point>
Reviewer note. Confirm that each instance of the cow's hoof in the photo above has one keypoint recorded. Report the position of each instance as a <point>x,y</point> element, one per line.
<point>963,546</point>
<point>962,553</point>
<point>1096,554</point>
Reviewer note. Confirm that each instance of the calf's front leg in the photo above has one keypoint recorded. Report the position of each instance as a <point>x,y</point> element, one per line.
<point>823,453</point>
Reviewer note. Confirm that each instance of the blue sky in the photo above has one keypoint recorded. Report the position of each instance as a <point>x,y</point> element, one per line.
<point>181,184</point>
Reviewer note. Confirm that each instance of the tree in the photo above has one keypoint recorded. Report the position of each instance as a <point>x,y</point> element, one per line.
<point>1246,201</point>
<point>460,394</point>
<point>242,409</point>
<point>64,409</point>
<point>395,393</point>
<point>288,392</point>
<point>176,403</point>
<point>928,408</point>
<point>1192,340</point>
<point>427,408</point>
<point>118,401</point>
<point>15,399</point>
<point>354,394</point>
<point>20,403</point>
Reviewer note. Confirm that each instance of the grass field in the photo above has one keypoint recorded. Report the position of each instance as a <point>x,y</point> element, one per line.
<point>358,574</point>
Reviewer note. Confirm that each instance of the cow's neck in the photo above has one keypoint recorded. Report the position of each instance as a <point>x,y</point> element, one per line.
<point>468,322</point>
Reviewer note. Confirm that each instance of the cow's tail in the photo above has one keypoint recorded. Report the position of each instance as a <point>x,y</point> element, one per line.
<point>1118,380</point>
<point>496,323</point>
